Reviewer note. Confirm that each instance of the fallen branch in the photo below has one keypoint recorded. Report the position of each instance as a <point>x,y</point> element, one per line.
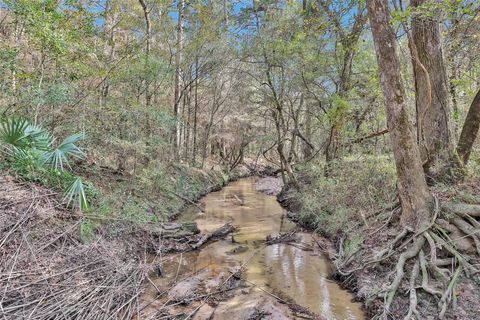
<point>371,135</point>
<point>219,233</point>
<point>281,238</point>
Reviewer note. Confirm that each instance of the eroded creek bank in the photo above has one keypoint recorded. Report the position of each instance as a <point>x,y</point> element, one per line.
<point>243,276</point>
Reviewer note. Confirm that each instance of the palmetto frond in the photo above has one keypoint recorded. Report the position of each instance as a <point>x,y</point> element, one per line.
<point>12,131</point>
<point>58,158</point>
<point>30,147</point>
<point>40,138</point>
<point>75,195</point>
<point>20,133</point>
<point>32,159</point>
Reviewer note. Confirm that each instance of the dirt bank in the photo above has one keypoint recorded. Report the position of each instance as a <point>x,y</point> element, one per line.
<point>50,269</point>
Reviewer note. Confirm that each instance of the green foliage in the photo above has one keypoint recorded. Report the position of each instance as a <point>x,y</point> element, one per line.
<point>87,229</point>
<point>340,106</point>
<point>19,133</point>
<point>75,195</point>
<point>353,244</point>
<point>29,150</point>
<point>50,27</point>
<point>361,185</point>
<point>8,57</point>
<point>59,157</point>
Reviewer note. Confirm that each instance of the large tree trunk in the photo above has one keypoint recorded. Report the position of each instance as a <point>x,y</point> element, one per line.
<point>414,195</point>
<point>178,60</point>
<point>469,130</point>
<point>433,112</point>
<point>331,151</point>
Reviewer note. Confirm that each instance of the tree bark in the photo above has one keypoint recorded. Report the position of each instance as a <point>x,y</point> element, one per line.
<point>307,148</point>
<point>469,130</point>
<point>178,60</point>
<point>431,98</point>
<point>413,191</point>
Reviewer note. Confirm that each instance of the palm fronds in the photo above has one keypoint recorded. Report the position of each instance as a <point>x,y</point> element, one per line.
<point>58,157</point>
<point>75,195</point>
<point>30,148</point>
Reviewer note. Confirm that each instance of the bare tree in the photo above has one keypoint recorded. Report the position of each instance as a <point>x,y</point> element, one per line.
<point>178,60</point>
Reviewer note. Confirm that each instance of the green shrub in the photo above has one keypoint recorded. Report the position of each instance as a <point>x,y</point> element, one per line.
<point>31,152</point>
<point>358,186</point>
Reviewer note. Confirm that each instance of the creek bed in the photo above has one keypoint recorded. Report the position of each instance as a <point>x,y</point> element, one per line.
<point>297,270</point>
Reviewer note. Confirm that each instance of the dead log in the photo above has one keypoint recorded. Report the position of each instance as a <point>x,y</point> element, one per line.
<point>217,234</point>
<point>169,230</point>
<point>281,238</point>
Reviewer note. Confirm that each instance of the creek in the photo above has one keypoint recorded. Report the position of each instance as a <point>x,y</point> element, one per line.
<point>296,270</point>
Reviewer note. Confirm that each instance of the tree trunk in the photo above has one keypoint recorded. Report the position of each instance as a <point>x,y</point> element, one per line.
<point>195,110</point>
<point>349,42</point>
<point>331,151</point>
<point>431,99</point>
<point>178,59</point>
<point>414,195</point>
<point>148,27</point>
<point>469,130</point>
<point>188,124</point>
<point>307,149</point>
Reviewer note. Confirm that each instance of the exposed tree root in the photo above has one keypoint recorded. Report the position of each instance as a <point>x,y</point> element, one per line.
<point>425,282</point>
<point>438,255</point>
<point>412,310</point>
<point>410,253</point>
<point>470,231</point>
<point>472,210</point>
<point>449,293</point>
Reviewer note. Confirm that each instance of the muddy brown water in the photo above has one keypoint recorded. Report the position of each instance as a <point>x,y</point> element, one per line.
<point>297,270</point>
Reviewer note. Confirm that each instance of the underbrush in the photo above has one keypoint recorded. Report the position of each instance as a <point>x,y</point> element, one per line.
<point>153,191</point>
<point>357,187</point>
<point>158,193</point>
<point>357,209</point>
<point>48,272</point>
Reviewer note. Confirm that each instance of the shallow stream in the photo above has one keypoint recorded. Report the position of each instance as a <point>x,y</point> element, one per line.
<point>298,270</point>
